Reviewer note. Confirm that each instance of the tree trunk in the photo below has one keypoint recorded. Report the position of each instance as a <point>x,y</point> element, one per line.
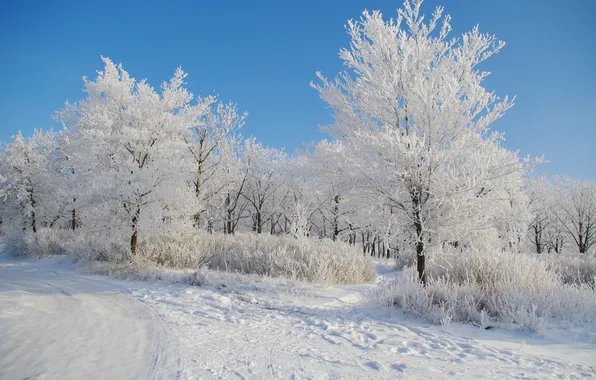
<point>133,243</point>
<point>363,244</point>
<point>133,238</point>
<point>336,218</point>
<point>582,245</point>
<point>537,239</point>
<point>228,224</point>
<point>74,219</point>
<point>420,258</point>
<point>33,221</point>
<point>335,229</point>
<point>33,216</point>
<point>74,215</point>
<point>558,244</point>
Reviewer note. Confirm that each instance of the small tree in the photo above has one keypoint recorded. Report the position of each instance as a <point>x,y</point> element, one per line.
<point>28,183</point>
<point>218,124</point>
<point>576,211</point>
<point>545,230</point>
<point>264,179</point>
<point>232,175</point>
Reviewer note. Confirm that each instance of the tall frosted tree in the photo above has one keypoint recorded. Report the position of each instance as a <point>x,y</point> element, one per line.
<point>413,115</point>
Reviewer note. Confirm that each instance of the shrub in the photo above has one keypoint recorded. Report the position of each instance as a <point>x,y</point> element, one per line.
<point>312,260</point>
<point>46,242</point>
<point>90,247</point>
<point>322,261</point>
<point>501,287</point>
<point>573,268</point>
<point>16,243</point>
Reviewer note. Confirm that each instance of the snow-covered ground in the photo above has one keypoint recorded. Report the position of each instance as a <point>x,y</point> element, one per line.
<point>58,323</point>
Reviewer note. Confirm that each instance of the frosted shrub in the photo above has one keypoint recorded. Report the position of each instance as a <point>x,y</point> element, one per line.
<point>176,250</point>
<point>439,302</point>
<point>83,246</point>
<point>571,268</point>
<point>16,243</point>
<point>97,247</point>
<point>502,287</point>
<point>574,268</point>
<point>322,261</point>
<point>46,242</point>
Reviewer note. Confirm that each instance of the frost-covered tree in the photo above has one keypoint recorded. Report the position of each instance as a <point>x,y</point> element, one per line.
<point>127,142</point>
<point>218,124</point>
<point>230,205</point>
<point>335,186</point>
<point>414,117</point>
<point>263,182</point>
<point>29,183</point>
<point>545,231</point>
<point>576,211</point>
<point>305,198</point>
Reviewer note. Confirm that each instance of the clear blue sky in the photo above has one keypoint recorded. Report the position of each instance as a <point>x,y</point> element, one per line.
<point>263,54</point>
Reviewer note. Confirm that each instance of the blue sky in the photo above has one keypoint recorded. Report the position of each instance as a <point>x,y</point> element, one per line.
<point>263,54</point>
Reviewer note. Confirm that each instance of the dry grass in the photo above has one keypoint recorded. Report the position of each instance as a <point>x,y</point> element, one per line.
<point>311,260</point>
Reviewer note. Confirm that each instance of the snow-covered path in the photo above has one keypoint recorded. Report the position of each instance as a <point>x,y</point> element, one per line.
<point>58,324</point>
<point>244,331</point>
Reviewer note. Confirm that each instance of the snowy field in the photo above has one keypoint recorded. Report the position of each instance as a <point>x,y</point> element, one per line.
<point>56,322</point>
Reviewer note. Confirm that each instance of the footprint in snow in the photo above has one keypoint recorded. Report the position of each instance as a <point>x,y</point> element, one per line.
<point>374,365</point>
<point>398,367</point>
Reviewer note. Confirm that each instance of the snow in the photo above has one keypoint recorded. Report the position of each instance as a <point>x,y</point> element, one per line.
<point>57,322</point>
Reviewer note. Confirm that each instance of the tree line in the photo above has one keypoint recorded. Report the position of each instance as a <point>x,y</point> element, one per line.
<point>411,162</point>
